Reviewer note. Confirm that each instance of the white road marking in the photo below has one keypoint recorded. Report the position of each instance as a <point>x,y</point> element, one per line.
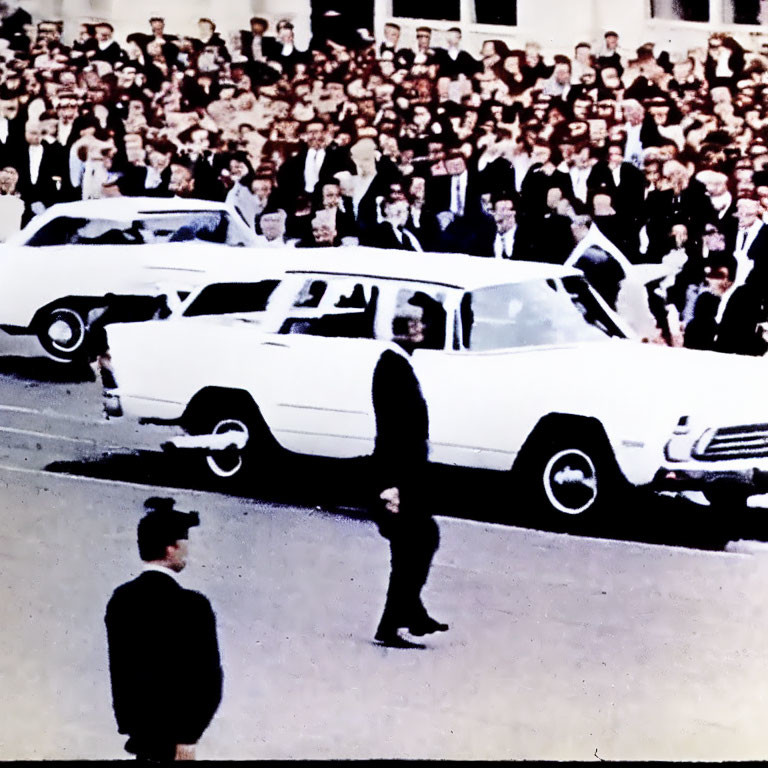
<point>32,433</point>
<point>103,481</point>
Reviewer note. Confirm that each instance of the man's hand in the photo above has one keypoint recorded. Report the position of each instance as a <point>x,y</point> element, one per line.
<point>185,752</point>
<point>391,497</point>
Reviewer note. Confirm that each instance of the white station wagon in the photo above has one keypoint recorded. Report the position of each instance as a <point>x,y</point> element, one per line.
<point>70,260</point>
<point>525,369</point>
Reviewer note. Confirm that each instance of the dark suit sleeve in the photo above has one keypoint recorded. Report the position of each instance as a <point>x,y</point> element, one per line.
<point>201,680</point>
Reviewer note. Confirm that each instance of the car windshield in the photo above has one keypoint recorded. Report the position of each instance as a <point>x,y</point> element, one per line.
<point>232,298</point>
<point>159,227</point>
<point>535,313</point>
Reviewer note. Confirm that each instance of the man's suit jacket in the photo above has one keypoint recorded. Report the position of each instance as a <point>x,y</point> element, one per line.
<point>437,196</point>
<point>629,195</point>
<point>383,236</point>
<point>269,46</point>
<point>464,64</point>
<point>162,638</point>
<point>522,250</point>
<point>736,332</point>
<point>44,188</point>
<point>290,177</point>
<point>111,54</point>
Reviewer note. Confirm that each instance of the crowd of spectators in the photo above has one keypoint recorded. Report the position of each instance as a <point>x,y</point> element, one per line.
<point>617,157</point>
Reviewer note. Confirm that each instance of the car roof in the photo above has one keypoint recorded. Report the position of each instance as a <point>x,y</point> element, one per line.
<point>130,207</point>
<point>449,269</point>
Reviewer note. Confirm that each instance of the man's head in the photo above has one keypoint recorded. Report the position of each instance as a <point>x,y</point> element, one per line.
<point>9,178</point>
<point>324,228</point>
<point>314,134</point>
<point>163,533</point>
<point>33,133</point>
<point>273,224</point>
<point>634,111</point>
<point>716,183</point>
<point>611,40</point>
<point>504,214</point>
<point>157,25</point>
<point>259,26</point>
<point>453,37</point>
<point>392,34</point>
<point>104,32</point>
<point>396,210</point>
<point>182,181</point>
<point>719,271</point>
<point>423,37</point>
<point>285,31</point>
<point>331,193</point>
<point>455,163</point>
<point>747,212</point>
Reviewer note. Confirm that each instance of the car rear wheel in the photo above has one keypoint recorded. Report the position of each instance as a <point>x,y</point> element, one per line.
<point>571,479</point>
<point>62,332</point>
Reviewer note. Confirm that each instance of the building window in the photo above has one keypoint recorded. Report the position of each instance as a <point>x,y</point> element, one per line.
<point>496,12</point>
<point>447,10</point>
<point>743,11</point>
<point>681,10</point>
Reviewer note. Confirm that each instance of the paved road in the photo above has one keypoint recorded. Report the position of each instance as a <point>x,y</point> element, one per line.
<point>561,647</point>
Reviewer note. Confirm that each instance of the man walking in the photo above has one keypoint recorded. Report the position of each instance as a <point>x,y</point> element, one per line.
<point>400,459</point>
<point>163,652</point>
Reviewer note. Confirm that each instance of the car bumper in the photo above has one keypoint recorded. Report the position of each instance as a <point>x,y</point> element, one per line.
<point>701,475</point>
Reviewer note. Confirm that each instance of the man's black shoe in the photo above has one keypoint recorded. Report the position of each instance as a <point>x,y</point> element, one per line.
<point>395,641</point>
<point>427,627</point>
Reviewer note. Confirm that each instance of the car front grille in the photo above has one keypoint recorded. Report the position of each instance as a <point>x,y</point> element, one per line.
<point>743,442</point>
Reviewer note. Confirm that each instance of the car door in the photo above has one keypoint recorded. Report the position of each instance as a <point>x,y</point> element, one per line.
<point>321,369</point>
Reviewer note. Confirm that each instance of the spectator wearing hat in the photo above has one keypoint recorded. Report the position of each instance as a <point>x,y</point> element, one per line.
<point>164,658</point>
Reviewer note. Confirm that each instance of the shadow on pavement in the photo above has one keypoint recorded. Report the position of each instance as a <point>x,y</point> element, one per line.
<point>44,369</point>
<point>341,486</point>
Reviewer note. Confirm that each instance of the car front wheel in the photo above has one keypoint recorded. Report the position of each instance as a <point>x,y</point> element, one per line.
<point>62,332</point>
<point>572,480</point>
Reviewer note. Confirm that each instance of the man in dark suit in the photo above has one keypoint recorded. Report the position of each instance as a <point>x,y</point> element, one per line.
<point>108,49</point>
<point>509,239</point>
<point>453,61</point>
<point>285,52</point>
<point>38,165</point>
<point>393,232</point>
<point>726,318</point>
<point>314,161</point>
<point>403,508</point>
<point>164,659</point>
<point>255,45</point>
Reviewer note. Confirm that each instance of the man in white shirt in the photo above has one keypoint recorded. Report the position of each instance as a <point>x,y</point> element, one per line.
<point>751,238</point>
<point>581,165</point>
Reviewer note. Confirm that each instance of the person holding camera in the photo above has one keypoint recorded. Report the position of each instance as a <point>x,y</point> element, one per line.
<point>164,659</point>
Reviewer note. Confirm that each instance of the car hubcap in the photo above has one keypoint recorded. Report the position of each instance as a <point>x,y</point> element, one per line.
<point>66,330</point>
<point>570,481</point>
<point>228,462</point>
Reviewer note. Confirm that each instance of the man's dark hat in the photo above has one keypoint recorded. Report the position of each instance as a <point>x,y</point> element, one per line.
<point>165,520</point>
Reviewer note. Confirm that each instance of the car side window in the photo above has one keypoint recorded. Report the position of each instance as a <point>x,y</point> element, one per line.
<point>340,308</point>
<point>60,231</point>
<point>425,301</point>
<point>232,298</point>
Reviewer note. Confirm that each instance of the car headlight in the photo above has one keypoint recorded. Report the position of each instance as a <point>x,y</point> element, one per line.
<point>679,446</point>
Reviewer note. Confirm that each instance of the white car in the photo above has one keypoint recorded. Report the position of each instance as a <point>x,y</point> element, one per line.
<point>72,259</point>
<point>525,369</point>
